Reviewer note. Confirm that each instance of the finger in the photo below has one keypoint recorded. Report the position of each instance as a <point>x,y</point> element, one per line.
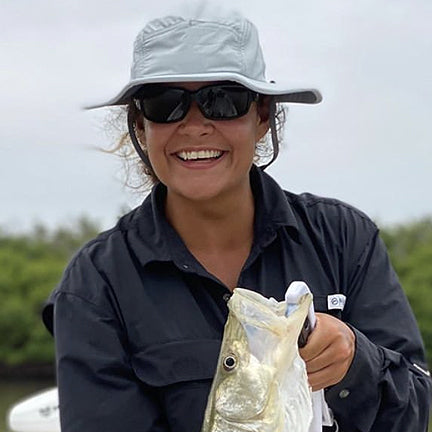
<point>336,353</point>
<point>329,333</point>
<point>321,361</point>
<point>318,341</point>
<point>314,347</point>
<point>326,377</point>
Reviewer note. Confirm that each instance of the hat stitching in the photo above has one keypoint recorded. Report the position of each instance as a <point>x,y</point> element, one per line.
<point>242,42</point>
<point>149,34</point>
<point>161,24</point>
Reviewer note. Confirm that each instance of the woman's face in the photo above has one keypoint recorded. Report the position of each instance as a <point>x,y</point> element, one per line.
<point>201,159</point>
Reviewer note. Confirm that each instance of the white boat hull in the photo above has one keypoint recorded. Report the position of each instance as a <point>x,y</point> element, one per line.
<point>38,413</point>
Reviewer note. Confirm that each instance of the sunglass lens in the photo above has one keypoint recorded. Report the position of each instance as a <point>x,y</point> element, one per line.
<point>163,104</point>
<point>224,102</point>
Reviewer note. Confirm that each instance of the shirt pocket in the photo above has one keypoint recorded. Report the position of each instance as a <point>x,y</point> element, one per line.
<point>181,372</point>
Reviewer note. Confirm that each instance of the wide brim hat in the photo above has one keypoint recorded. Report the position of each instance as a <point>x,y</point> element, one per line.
<point>177,49</point>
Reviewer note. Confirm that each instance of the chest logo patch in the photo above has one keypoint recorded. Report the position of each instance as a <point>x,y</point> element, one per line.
<point>336,301</point>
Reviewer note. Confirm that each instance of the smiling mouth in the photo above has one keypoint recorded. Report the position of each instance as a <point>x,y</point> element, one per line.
<point>199,155</point>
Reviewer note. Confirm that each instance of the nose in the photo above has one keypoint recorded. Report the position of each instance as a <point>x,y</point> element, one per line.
<point>195,123</point>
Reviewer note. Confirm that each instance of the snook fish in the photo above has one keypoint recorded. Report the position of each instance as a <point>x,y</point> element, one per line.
<point>260,383</point>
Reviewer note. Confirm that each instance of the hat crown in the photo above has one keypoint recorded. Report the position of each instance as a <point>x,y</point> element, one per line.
<point>204,47</point>
<point>175,46</point>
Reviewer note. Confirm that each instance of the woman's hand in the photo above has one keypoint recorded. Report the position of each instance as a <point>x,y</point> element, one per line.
<point>329,352</point>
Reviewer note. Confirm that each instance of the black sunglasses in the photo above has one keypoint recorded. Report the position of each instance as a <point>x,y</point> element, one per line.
<point>223,101</point>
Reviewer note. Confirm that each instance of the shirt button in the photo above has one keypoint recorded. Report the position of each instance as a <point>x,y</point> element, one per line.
<point>226,297</point>
<point>344,393</point>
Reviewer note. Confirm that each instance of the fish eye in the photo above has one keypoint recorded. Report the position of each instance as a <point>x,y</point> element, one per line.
<point>230,362</point>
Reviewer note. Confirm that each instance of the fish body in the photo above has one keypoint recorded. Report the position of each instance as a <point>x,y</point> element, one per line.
<point>260,383</point>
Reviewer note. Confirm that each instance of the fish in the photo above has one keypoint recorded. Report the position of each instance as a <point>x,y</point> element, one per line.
<point>260,383</point>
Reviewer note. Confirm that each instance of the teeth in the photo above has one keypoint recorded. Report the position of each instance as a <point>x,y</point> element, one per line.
<point>201,154</point>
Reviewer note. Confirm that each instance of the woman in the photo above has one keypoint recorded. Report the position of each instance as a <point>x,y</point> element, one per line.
<point>139,314</point>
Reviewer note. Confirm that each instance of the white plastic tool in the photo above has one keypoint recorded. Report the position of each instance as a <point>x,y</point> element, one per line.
<point>322,415</point>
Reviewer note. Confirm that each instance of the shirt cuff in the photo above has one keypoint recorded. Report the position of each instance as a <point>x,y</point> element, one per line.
<point>355,400</point>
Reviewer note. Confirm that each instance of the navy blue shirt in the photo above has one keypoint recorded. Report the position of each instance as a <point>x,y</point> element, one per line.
<point>138,320</point>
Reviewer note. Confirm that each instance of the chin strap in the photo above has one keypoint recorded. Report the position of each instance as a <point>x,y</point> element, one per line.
<point>273,131</point>
<point>131,128</point>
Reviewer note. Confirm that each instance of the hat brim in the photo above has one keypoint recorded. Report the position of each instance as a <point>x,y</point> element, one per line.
<point>283,93</point>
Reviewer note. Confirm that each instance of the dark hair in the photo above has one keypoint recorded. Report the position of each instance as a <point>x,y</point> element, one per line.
<point>140,176</point>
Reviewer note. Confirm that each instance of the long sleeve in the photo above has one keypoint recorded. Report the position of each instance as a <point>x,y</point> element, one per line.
<point>97,388</point>
<point>387,386</point>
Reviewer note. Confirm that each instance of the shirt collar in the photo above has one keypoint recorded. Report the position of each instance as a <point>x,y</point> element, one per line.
<point>272,209</point>
<point>156,239</point>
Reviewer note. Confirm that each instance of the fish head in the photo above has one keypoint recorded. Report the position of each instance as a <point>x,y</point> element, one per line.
<point>243,380</point>
<point>258,347</point>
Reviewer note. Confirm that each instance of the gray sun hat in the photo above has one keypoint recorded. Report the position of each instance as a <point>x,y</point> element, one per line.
<point>177,49</point>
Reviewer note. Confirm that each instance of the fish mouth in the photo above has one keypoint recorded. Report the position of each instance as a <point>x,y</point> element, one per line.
<point>199,155</point>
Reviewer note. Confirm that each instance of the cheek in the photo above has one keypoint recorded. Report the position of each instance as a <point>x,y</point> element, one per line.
<point>156,136</point>
<point>244,129</point>
<point>151,131</point>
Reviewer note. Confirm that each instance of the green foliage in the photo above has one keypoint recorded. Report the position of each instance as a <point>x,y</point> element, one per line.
<point>31,265</point>
<point>410,249</point>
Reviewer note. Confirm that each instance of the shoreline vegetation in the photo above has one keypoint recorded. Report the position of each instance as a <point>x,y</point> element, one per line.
<point>32,264</point>
<point>26,371</point>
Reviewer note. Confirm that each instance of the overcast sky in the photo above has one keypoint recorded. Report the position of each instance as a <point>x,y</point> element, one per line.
<point>367,143</point>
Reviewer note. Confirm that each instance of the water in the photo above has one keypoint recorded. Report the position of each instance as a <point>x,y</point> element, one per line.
<point>13,391</point>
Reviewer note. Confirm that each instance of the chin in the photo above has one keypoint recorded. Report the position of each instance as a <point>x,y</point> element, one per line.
<point>199,194</point>
<point>207,188</point>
